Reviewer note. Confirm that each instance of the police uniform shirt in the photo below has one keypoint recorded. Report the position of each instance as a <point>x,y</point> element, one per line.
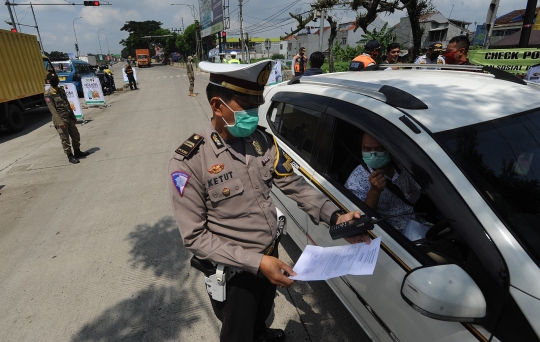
<point>58,105</point>
<point>533,74</point>
<point>222,203</point>
<point>425,60</point>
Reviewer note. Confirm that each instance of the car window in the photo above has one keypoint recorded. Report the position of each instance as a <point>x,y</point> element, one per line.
<point>47,65</point>
<point>462,239</point>
<point>63,66</point>
<point>502,159</point>
<point>295,125</point>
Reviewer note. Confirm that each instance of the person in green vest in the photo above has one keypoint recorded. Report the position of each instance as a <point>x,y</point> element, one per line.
<point>233,59</point>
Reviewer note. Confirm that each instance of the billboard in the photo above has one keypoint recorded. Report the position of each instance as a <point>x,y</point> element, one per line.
<point>515,61</point>
<point>211,17</point>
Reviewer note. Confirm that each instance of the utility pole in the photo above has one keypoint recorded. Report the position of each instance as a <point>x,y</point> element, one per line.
<point>39,36</point>
<point>11,15</point>
<point>248,59</point>
<point>527,24</point>
<point>321,30</point>
<point>241,30</point>
<point>490,21</point>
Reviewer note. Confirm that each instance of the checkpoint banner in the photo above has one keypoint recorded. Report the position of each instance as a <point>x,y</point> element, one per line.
<point>93,94</point>
<point>125,75</point>
<point>73,98</point>
<point>516,61</point>
<point>275,75</point>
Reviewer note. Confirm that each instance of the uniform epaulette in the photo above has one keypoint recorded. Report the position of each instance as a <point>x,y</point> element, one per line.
<point>190,145</point>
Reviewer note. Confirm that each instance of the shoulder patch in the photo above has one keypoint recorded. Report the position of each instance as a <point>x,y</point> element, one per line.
<point>283,163</point>
<point>217,140</point>
<point>189,145</point>
<point>180,180</point>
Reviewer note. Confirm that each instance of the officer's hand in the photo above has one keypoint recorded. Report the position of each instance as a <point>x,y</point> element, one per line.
<point>272,269</point>
<point>63,126</point>
<point>377,180</point>
<point>358,238</point>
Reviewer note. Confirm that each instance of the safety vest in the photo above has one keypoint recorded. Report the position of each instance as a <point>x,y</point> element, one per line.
<point>366,60</point>
<point>234,61</point>
<point>297,67</point>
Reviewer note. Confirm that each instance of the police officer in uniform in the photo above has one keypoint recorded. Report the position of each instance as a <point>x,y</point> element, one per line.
<point>432,56</point>
<point>233,59</point>
<point>131,79</point>
<point>63,118</point>
<point>191,75</point>
<point>220,182</point>
<point>300,62</point>
<point>367,58</point>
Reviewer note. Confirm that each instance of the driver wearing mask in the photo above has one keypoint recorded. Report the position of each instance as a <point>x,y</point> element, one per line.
<point>383,185</point>
<point>457,51</point>
<point>367,58</point>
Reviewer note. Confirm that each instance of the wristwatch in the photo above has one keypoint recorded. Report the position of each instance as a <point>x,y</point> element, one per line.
<point>335,215</point>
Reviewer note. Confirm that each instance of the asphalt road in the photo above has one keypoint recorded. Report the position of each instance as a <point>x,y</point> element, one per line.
<point>91,252</point>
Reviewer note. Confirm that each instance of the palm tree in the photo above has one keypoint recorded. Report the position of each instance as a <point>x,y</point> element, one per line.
<point>384,36</point>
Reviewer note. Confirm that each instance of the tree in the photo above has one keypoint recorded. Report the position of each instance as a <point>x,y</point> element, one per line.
<point>137,30</point>
<point>187,42</point>
<point>57,55</point>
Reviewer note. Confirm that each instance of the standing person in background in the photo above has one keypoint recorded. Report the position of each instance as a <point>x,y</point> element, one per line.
<point>233,59</point>
<point>316,60</point>
<point>371,51</point>
<point>129,73</point>
<point>63,119</point>
<point>392,55</point>
<point>432,56</point>
<point>191,75</point>
<point>457,51</point>
<point>300,62</point>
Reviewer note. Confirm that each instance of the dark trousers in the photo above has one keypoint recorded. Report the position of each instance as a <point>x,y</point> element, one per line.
<point>249,303</point>
<point>70,131</point>
<point>132,82</point>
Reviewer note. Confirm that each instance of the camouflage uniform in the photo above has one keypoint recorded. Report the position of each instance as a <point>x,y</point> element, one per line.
<point>62,114</point>
<point>191,75</point>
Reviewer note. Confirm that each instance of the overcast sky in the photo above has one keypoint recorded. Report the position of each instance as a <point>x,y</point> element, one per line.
<point>56,22</point>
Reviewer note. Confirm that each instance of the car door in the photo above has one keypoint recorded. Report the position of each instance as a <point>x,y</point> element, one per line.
<point>471,248</point>
<point>296,121</point>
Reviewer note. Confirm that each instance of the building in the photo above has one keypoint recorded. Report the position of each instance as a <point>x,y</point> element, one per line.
<point>436,28</point>
<point>505,26</point>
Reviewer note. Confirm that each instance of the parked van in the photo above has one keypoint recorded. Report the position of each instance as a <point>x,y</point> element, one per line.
<point>72,71</point>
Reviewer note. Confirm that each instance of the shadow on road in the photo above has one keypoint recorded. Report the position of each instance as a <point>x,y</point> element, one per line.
<point>158,312</point>
<point>33,119</point>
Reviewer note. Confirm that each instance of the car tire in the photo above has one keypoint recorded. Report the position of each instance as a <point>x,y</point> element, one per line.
<point>14,119</point>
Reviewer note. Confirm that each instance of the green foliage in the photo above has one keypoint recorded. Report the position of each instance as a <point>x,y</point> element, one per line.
<point>186,43</point>
<point>57,55</point>
<point>137,30</point>
<point>347,54</point>
<point>385,37</point>
<point>278,56</point>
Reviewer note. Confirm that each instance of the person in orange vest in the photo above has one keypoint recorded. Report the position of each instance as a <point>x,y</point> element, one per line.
<point>371,51</point>
<point>300,62</point>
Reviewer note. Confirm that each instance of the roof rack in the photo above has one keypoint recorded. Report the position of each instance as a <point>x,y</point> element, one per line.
<point>391,95</point>
<point>498,73</point>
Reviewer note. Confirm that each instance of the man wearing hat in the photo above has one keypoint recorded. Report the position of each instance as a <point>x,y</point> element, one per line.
<point>233,59</point>
<point>371,51</point>
<point>432,56</point>
<point>300,62</point>
<point>191,75</point>
<point>63,118</point>
<point>220,183</point>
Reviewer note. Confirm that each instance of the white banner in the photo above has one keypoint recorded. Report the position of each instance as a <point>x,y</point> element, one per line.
<point>73,98</point>
<point>275,74</point>
<point>93,94</point>
<point>125,75</point>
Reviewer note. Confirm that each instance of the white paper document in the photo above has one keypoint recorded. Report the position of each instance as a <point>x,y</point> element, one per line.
<point>322,263</point>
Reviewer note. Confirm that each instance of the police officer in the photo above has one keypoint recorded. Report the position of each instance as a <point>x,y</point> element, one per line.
<point>300,62</point>
<point>131,78</point>
<point>233,59</point>
<point>220,185</point>
<point>63,118</point>
<point>371,51</point>
<point>191,75</point>
<point>432,56</point>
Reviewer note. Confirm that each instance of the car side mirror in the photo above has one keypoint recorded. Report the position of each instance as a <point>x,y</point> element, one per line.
<point>444,292</point>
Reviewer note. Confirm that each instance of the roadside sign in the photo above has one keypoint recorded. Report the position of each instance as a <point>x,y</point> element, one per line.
<point>93,94</point>
<point>268,43</point>
<point>73,98</point>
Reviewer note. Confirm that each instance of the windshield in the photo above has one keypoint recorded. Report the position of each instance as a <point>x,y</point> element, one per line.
<point>142,56</point>
<point>62,66</point>
<point>47,64</point>
<point>502,159</point>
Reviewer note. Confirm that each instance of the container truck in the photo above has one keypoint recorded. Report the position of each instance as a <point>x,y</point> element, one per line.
<point>23,71</point>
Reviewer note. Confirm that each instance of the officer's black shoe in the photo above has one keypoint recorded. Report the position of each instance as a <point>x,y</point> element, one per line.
<point>72,159</point>
<point>272,335</point>
<point>80,154</point>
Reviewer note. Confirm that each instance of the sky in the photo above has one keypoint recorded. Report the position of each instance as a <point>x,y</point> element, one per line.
<point>98,31</point>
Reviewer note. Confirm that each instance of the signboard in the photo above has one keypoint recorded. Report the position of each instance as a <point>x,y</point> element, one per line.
<point>71,55</point>
<point>516,61</point>
<point>73,98</point>
<point>126,81</point>
<point>275,75</point>
<point>93,94</point>
<point>211,17</point>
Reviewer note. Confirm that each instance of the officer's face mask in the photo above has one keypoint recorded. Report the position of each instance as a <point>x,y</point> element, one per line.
<point>245,121</point>
<point>376,160</point>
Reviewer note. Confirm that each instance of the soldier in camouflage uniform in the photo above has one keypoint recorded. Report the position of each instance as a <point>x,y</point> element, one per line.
<point>191,75</point>
<point>63,118</point>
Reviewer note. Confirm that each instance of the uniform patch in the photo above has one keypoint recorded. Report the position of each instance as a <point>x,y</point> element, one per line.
<point>257,147</point>
<point>217,140</point>
<point>180,180</point>
<point>265,161</point>
<point>216,168</point>
<point>189,145</point>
